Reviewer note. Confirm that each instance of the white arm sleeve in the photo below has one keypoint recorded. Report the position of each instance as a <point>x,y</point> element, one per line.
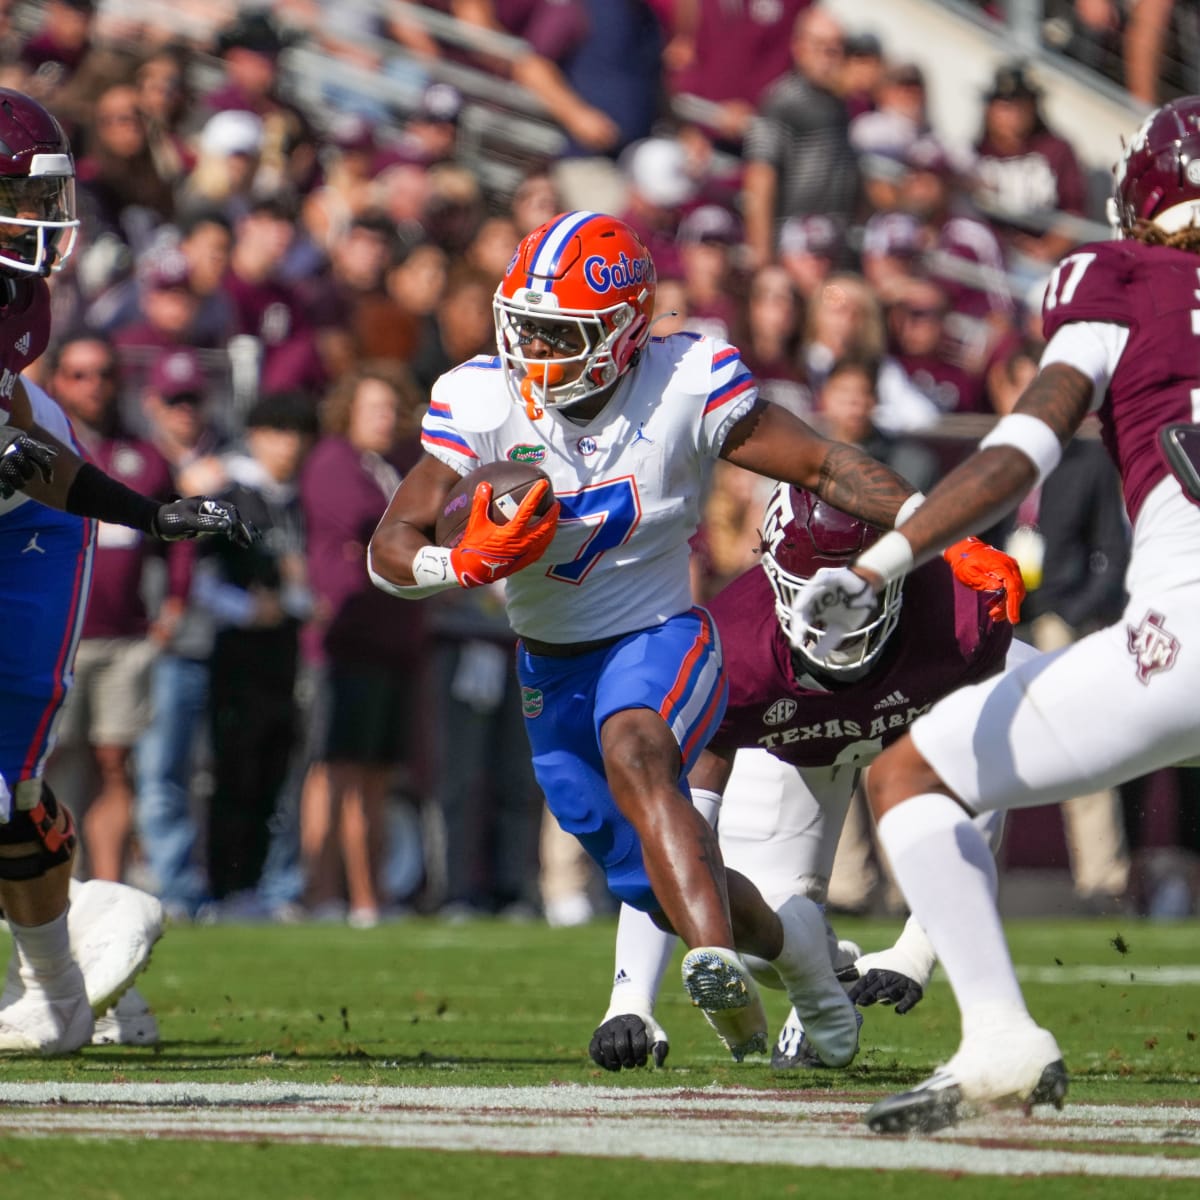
<point>1093,347</point>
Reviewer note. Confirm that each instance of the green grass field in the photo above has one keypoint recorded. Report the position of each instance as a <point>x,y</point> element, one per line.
<point>491,1006</point>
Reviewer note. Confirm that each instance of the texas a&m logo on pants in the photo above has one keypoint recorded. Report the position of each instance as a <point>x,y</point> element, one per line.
<point>1153,648</point>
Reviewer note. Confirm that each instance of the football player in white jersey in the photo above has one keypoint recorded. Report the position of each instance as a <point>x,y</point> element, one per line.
<point>622,676</point>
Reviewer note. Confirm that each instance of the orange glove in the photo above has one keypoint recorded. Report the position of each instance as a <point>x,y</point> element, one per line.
<point>983,568</point>
<point>489,551</point>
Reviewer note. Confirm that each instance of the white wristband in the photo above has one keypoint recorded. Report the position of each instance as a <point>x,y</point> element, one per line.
<point>890,558</point>
<point>907,509</point>
<point>431,567</point>
<point>1032,436</point>
<point>707,803</point>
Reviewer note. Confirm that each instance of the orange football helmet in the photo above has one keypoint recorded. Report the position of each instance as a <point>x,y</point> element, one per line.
<point>581,269</point>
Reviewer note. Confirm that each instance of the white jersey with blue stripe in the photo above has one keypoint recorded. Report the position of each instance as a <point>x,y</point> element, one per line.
<point>51,418</point>
<point>631,481</point>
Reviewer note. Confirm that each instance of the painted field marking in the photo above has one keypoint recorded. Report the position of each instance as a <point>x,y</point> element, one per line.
<point>695,1125</point>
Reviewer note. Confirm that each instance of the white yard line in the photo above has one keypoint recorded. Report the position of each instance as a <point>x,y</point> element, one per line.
<point>696,1125</point>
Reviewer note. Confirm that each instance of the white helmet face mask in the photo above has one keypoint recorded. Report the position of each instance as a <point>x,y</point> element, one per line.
<point>801,534</point>
<point>531,313</point>
<point>37,223</point>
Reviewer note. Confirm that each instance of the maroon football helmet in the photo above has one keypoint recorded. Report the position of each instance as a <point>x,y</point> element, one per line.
<point>37,188</point>
<point>1158,177</point>
<point>802,534</point>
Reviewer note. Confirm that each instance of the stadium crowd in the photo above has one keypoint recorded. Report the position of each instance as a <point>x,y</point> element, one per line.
<point>265,291</point>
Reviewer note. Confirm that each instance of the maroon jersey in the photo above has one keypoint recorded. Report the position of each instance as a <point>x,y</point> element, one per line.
<point>24,329</point>
<point>944,640</point>
<point>1151,290</point>
<point>115,608</point>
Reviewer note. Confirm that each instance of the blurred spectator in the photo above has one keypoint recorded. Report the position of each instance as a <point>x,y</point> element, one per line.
<point>534,202</point>
<point>917,327</point>
<point>798,154</point>
<point>863,73</point>
<point>258,600</point>
<point>229,151</point>
<point>489,801</point>
<point>455,206</point>
<point>892,244</point>
<point>707,237</point>
<point>810,249</point>
<point>770,340</point>
<point>463,326</point>
<point>962,253</point>
<point>660,188</point>
<point>265,305</point>
<point>844,321</point>
<point>617,69</point>
<point>206,243</point>
<point>1147,32</point>
<point>847,405</point>
<point>169,751</point>
<point>56,50</point>
<point>346,190</point>
<point>122,188</point>
<point>729,54</point>
<point>177,405</point>
<point>164,100</point>
<point>399,325</point>
<point>430,134</point>
<point>249,50</point>
<point>109,707</point>
<point>165,316</point>
<point>368,708</point>
<point>493,246</point>
<point>358,260</point>
<point>551,31</point>
<point>1026,176</point>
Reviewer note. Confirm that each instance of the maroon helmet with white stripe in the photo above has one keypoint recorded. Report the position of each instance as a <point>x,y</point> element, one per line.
<point>1158,177</point>
<point>37,188</point>
<point>584,284</point>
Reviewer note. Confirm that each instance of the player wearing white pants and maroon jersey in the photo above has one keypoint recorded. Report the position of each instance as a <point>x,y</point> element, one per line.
<point>1121,318</point>
<point>785,761</point>
<point>623,677</point>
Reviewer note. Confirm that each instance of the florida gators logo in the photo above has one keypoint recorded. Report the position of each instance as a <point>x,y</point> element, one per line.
<point>604,276</point>
<point>532,702</point>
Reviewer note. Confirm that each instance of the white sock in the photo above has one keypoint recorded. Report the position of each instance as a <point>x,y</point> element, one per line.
<point>43,951</point>
<point>643,952</point>
<point>948,876</point>
<point>804,964</point>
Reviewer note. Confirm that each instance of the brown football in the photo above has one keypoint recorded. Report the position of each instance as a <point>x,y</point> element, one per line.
<point>510,482</point>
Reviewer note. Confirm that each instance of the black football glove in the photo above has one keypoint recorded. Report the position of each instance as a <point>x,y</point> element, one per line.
<point>628,1040</point>
<point>886,987</point>
<point>21,458</point>
<point>199,516</point>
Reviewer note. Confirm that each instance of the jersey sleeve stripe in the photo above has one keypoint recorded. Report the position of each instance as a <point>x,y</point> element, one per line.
<point>448,441</point>
<point>437,409</point>
<point>738,385</point>
<point>724,358</point>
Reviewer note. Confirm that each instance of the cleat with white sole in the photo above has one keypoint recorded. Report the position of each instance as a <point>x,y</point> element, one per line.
<point>113,929</point>
<point>992,1072</point>
<point>793,1050</point>
<point>128,1023</point>
<point>722,987</point>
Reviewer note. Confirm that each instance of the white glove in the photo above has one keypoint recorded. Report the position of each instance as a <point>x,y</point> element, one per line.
<point>837,601</point>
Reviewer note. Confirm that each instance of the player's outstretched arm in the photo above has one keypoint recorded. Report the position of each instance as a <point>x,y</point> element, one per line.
<point>773,442</point>
<point>1022,449</point>
<point>65,481</point>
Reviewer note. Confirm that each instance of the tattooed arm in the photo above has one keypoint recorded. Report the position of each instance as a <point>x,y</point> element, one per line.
<point>770,441</point>
<point>988,484</point>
